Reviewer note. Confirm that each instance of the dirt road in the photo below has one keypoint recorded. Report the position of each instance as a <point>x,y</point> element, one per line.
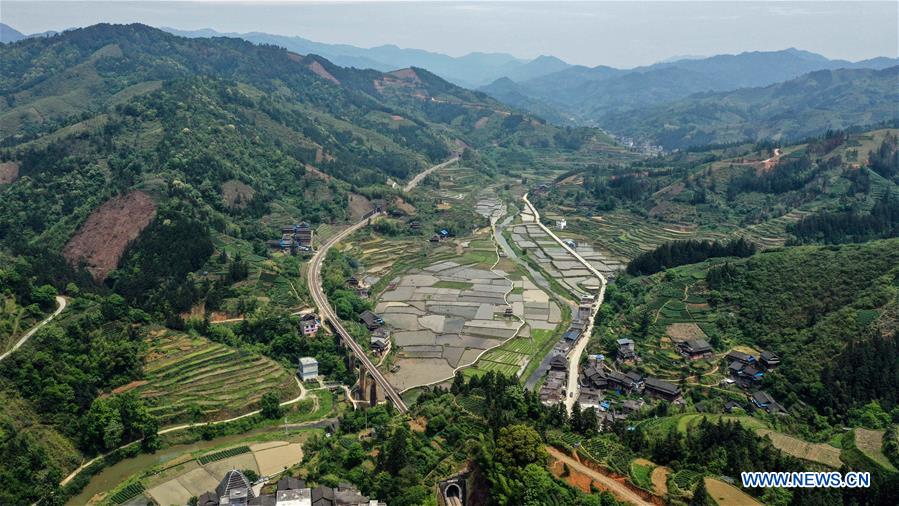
<point>423,174</point>
<point>618,489</point>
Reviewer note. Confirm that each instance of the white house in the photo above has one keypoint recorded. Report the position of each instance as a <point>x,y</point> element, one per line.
<point>308,368</point>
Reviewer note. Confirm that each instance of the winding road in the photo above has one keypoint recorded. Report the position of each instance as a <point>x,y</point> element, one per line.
<point>327,313</point>
<point>423,174</point>
<point>60,305</point>
<point>574,358</point>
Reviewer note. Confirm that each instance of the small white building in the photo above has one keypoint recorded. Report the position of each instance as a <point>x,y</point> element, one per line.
<point>308,369</point>
<point>561,224</point>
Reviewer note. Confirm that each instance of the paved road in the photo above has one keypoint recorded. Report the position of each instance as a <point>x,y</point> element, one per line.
<point>60,305</point>
<point>327,313</point>
<point>423,174</point>
<point>617,488</point>
<point>303,394</point>
<point>574,358</point>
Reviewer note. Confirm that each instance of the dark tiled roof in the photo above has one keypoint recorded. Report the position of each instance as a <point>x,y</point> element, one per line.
<point>698,346</point>
<point>736,366</point>
<point>762,397</point>
<point>323,496</point>
<point>739,355</point>
<point>290,483</point>
<point>635,376</point>
<point>767,356</point>
<point>208,499</point>
<point>662,386</point>
<point>558,362</point>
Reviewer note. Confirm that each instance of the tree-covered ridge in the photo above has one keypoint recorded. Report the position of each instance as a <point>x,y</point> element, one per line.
<point>755,191</point>
<point>672,254</point>
<point>809,304</point>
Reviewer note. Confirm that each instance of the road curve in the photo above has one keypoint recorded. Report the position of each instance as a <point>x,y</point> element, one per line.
<point>573,390</point>
<point>175,428</point>
<point>423,174</point>
<point>60,305</point>
<point>327,313</point>
<point>618,489</point>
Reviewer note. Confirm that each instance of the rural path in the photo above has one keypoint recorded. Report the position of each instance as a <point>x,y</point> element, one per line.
<point>327,313</point>
<point>303,394</point>
<point>574,359</point>
<point>423,174</point>
<point>618,489</point>
<point>60,305</point>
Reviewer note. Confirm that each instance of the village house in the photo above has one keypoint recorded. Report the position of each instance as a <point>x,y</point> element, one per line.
<point>593,376</point>
<point>371,320</point>
<point>769,360</point>
<point>763,400</point>
<point>236,490</point>
<point>584,311</point>
<point>661,389</point>
<point>695,349</point>
<point>572,335</point>
<point>561,224</point>
<point>624,383</point>
<point>308,369</point>
<point>553,389</point>
<point>380,340</point>
<point>309,324</point>
<point>627,352</point>
<point>739,356</point>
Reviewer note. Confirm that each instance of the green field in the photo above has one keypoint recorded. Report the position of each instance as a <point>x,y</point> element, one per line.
<point>188,376</point>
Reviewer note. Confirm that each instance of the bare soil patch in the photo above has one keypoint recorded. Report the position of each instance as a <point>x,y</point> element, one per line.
<point>660,480</point>
<point>870,442</point>
<point>237,194</point>
<point>815,452</point>
<point>320,71</point>
<point>129,386</point>
<point>684,331</point>
<point>404,206</point>
<point>9,172</point>
<point>102,239</point>
<point>359,205</point>
<point>728,495</point>
<point>481,123</point>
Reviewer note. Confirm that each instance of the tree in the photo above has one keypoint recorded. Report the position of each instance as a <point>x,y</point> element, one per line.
<point>397,449</point>
<point>700,495</point>
<point>270,406</point>
<point>519,445</point>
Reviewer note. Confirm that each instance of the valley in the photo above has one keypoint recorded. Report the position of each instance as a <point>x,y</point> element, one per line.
<point>234,268</point>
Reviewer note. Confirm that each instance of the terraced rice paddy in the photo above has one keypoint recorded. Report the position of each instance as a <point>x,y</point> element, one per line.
<point>185,373</point>
<point>437,330</point>
<point>815,452</point>
<point>195,477</point>
<point>556,261</point>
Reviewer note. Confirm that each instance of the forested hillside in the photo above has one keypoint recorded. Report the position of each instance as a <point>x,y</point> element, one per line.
<point>141,175</point>
<point>838,187</point>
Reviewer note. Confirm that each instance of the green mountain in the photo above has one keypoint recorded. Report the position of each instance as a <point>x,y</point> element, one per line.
<point>605,97</point>
<point>471,70</point>
<point>809,105</point>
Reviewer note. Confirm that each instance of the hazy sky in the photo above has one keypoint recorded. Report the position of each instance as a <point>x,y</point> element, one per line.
<point>621,34</point>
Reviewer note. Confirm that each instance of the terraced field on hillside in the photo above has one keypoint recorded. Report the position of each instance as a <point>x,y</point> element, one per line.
<point>184,374</point>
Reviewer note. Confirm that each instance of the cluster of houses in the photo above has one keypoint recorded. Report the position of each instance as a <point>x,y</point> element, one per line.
<point>236,490</point>
<point>748,371</point>
<point>294,238</point>
<point>380,336</point>
<point>553,389</point>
